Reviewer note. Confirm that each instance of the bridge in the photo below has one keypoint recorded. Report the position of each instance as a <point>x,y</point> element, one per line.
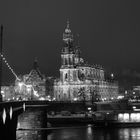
<point>25,116</point>
<point>22,115</point>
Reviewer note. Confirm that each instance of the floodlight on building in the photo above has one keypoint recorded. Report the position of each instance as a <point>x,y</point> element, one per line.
<point>42,98</point>
<point>112,75</point>
<point>35,93</point>
<point>89,108</point>
<point>134,107</point>
<point>75,99</point>
<point>28,88</point>
<point>20,84</point>
<point>24,99</point>
<point>125,91</point>
<point>120,97</point>
<point>49,96</point>
<point>3,95</point>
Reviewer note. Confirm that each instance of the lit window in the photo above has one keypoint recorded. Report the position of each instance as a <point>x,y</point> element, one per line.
<point>126,117</point>
<point>120,117</point>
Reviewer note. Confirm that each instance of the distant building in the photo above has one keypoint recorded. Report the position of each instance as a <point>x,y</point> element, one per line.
<point>8,93</point>
<point>136,89</point>
<point>79,80</point>
<point>32,85</point>
<point>135,94</point>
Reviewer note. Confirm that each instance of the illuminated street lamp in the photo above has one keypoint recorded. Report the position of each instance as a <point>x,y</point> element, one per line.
<point>89,108</point>
<point>125,91</point>
<point>112,75</point>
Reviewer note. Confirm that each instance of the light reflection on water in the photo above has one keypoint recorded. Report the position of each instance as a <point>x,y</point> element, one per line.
<point>88,133</point>
<point>129,133</point>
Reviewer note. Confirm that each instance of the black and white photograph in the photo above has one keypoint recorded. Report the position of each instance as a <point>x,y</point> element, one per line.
<point>69,70</point>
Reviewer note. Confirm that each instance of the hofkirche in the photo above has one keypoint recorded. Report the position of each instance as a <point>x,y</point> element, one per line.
<point>79,80</point>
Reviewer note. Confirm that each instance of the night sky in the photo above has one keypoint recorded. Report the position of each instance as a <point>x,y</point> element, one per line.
<point>109,33</point>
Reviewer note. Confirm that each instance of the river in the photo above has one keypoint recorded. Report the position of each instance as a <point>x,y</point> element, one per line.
<point>87,132</point>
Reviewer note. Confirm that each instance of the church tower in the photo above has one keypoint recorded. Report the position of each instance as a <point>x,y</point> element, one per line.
<point>68,72</point>
<point>79,80</point>
<point>68,51</point>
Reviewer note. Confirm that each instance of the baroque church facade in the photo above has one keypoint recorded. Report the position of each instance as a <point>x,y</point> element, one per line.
<point>79,80</point>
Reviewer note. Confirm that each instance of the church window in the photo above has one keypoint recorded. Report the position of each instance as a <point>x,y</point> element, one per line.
<point>66,76</point>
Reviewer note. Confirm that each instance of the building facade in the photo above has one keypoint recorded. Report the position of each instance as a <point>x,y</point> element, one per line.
<point>79,80</point>
<point>31,86</point>
<point>8,93</point>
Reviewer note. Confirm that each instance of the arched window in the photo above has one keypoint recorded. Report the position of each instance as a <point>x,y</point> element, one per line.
<point>66,76</point>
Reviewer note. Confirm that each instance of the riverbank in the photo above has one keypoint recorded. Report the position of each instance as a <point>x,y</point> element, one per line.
<point>86,121</point>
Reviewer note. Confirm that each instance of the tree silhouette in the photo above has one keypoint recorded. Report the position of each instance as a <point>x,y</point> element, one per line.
<point>81,93</point>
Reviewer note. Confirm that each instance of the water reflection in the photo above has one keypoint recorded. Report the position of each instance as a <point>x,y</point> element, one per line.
<point>82,133</point>
<point>129,134</point>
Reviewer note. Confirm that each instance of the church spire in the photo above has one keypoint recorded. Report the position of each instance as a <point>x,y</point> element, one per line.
<point>67,35</point>
<point>35,64</point>
<point>77,48</point>
<point>67,30</point>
